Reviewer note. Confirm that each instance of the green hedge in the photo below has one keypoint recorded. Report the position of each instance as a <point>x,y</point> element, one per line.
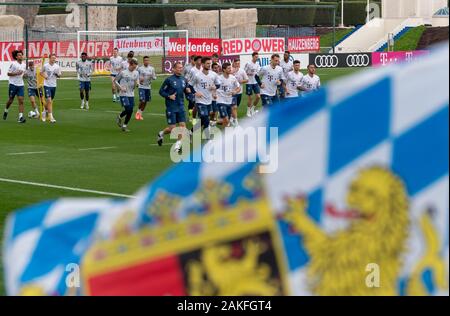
<point>52,10</point>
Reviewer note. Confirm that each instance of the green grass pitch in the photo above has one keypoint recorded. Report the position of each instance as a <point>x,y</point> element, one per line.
<point>127,161</point>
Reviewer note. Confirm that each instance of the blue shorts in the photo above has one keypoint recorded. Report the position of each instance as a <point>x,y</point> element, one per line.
<point>203,109</point>
<point>127,102</point>
<point>145,95</point>
<point>175,117</point>
<point>224,110</point>
<point>252,89</point>
<point>268,100</point>
<point>281,90</point>
<point>50,92</point>
<point>33,92</point>
<point>213,107</point>
<point>85,85</point>
<point>237,99</point>
<point>15,90</point>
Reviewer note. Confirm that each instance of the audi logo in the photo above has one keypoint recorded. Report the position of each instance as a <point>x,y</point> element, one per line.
<point>361,60</point>
<point>326,61</point>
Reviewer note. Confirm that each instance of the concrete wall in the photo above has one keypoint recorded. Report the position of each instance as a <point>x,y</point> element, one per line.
<point>411,8</point>
<point>99,18</point>
<point>368,35</point>
<point>235,22</point>
<point>11,28</point>
<point>26,12</point>
<point>439,21</point>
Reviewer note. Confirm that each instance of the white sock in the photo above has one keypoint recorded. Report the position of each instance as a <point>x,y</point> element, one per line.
<point>178,144</point>
<point>50,115</point>
<point>20,115</point>
<point>140,111</point>
<point>161,133</point>
<point>124,125</point>
<point>87,103</point>
<point>6,110</point>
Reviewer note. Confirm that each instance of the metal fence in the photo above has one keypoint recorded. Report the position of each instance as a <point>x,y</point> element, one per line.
<point>281,20</point>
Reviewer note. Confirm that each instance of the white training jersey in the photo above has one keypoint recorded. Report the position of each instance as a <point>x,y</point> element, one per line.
<point>147,75</point>
<point>116,64</point>
<point>310,83</point>
<point>252,69</point>
<point>52,71</point>
<point>225,91</point>
<point>31,76</point>
<point>187,69</point>
<point>125,64</point>
<point>293,81</point>
<point>16,67</point>
<point>287,66</point>
<point>127,79</point>
<point>241,76</point>
<point>84,70</point>
<point>206,85</point>
<point>269,77</point>
<point>192,73</point>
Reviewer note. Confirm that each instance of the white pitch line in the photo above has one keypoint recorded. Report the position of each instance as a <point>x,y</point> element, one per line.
<point>65,188</point>
<point>26,153</point>
<point>118,112</point>
<point>164,144</point>
<point>154,114</point>
<point>98,148</point>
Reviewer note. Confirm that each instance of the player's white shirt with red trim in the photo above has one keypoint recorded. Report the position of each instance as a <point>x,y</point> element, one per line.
<point>269,77</point>
<point>287,66</point>
<point>16,67</point>
<point>192,73</point>
<point>311,83</point>
<point>252,69</point>
<point>225,91</point>
<point>116,64</point>
<point>240,75</point>
<point>125,64</point>
<point>205,84</point>
<point>52,71</point>
<point>293,81</point>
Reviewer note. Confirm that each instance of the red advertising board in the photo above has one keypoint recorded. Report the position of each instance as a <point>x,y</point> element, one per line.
<point>304,44</point>
<point>38,49</point>
<point>6,49</point>
<point>196,46</point>
<point>240,46</point>
<point>62,49</point>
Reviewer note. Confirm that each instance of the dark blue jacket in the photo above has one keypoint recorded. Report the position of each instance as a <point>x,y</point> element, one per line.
<point>174,84</point>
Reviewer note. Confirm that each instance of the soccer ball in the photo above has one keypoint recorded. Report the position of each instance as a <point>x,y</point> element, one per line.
<point>32,114</point>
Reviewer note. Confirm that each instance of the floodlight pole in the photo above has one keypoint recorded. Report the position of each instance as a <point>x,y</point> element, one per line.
<point>220,24</point>
<point>334,30</point>
<point>368,11</point>
<point>86,18</point>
